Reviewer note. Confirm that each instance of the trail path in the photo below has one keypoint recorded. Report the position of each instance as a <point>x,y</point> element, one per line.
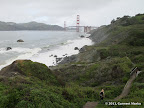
<point>127,87</point>
<point>90,105</point>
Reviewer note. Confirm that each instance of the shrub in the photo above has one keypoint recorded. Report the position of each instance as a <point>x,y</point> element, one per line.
<point>137,42</point>
<point>103,53</point>
<point>38,70</point>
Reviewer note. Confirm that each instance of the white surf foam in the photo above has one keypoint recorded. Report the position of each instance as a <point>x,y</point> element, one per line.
<point>27,54</point>
<point>16,49</point>
<point>67,50</point>
<point>48,58</point>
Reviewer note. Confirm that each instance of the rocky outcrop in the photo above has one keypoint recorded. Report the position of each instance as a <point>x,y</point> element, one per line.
<point>82,36</point>
<point>76,48</point>
<point>8,48</point>
<point>55,56</point>
<point>83,49</point>
<point>58,60</point>
<point>12,70</point>
<point>69,59</point>
<point>87,54</point>
<point>27,68</point>
<point>20,40</point>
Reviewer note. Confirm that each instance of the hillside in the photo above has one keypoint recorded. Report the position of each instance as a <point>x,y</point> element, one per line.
<point>10,26</point>
<point>118,48</point>
<point>27,84</point>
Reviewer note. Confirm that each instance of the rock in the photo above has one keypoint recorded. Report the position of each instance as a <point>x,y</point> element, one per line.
<point>82,36</point>
<point>65,54</point>
<point>68,59</point>
<point>55,56</point>
<point>8,48</point>
<point>12,69</point>
<point>20,40</point>
<point>51,55</point>
<point>83,49</point>
<point>58,60</point>
<point>76,48</point>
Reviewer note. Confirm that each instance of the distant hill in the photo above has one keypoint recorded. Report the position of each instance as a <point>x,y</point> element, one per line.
<point>11,26</point>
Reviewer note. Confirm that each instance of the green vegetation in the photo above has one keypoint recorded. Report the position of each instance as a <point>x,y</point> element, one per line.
<point>131,46</point>
<point>38,70</point>
<point>107,65</point>
<point>32,90</point>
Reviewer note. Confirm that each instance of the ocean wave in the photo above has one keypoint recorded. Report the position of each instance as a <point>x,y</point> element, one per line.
<point>49,58</point>
<point>27,54</point>
<point>16,49</point>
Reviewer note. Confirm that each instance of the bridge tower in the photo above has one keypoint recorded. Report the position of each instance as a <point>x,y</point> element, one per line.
<point>65,25</point>
<point>78,23</point>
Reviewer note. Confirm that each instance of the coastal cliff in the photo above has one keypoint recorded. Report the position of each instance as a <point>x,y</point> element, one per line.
<point>118,48</point>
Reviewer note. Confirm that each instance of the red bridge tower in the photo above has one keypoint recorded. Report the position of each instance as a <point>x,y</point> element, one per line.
<point>77,23</point>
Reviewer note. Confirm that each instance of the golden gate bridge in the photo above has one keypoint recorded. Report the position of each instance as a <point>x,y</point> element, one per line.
<point>78,27</point>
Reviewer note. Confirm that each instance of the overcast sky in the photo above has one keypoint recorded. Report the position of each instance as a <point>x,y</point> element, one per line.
<point>92,12</point>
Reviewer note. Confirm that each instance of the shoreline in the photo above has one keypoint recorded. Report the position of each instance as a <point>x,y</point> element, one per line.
<point>54,56</point>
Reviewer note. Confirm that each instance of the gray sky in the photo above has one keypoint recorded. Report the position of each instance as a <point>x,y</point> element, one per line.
<point>92,12</point>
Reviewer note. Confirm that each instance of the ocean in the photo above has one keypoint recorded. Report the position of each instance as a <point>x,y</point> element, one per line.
<point>39,46</point>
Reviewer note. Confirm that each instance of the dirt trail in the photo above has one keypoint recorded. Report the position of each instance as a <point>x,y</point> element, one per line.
<point>90,105</point>
<point>127,87</point>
